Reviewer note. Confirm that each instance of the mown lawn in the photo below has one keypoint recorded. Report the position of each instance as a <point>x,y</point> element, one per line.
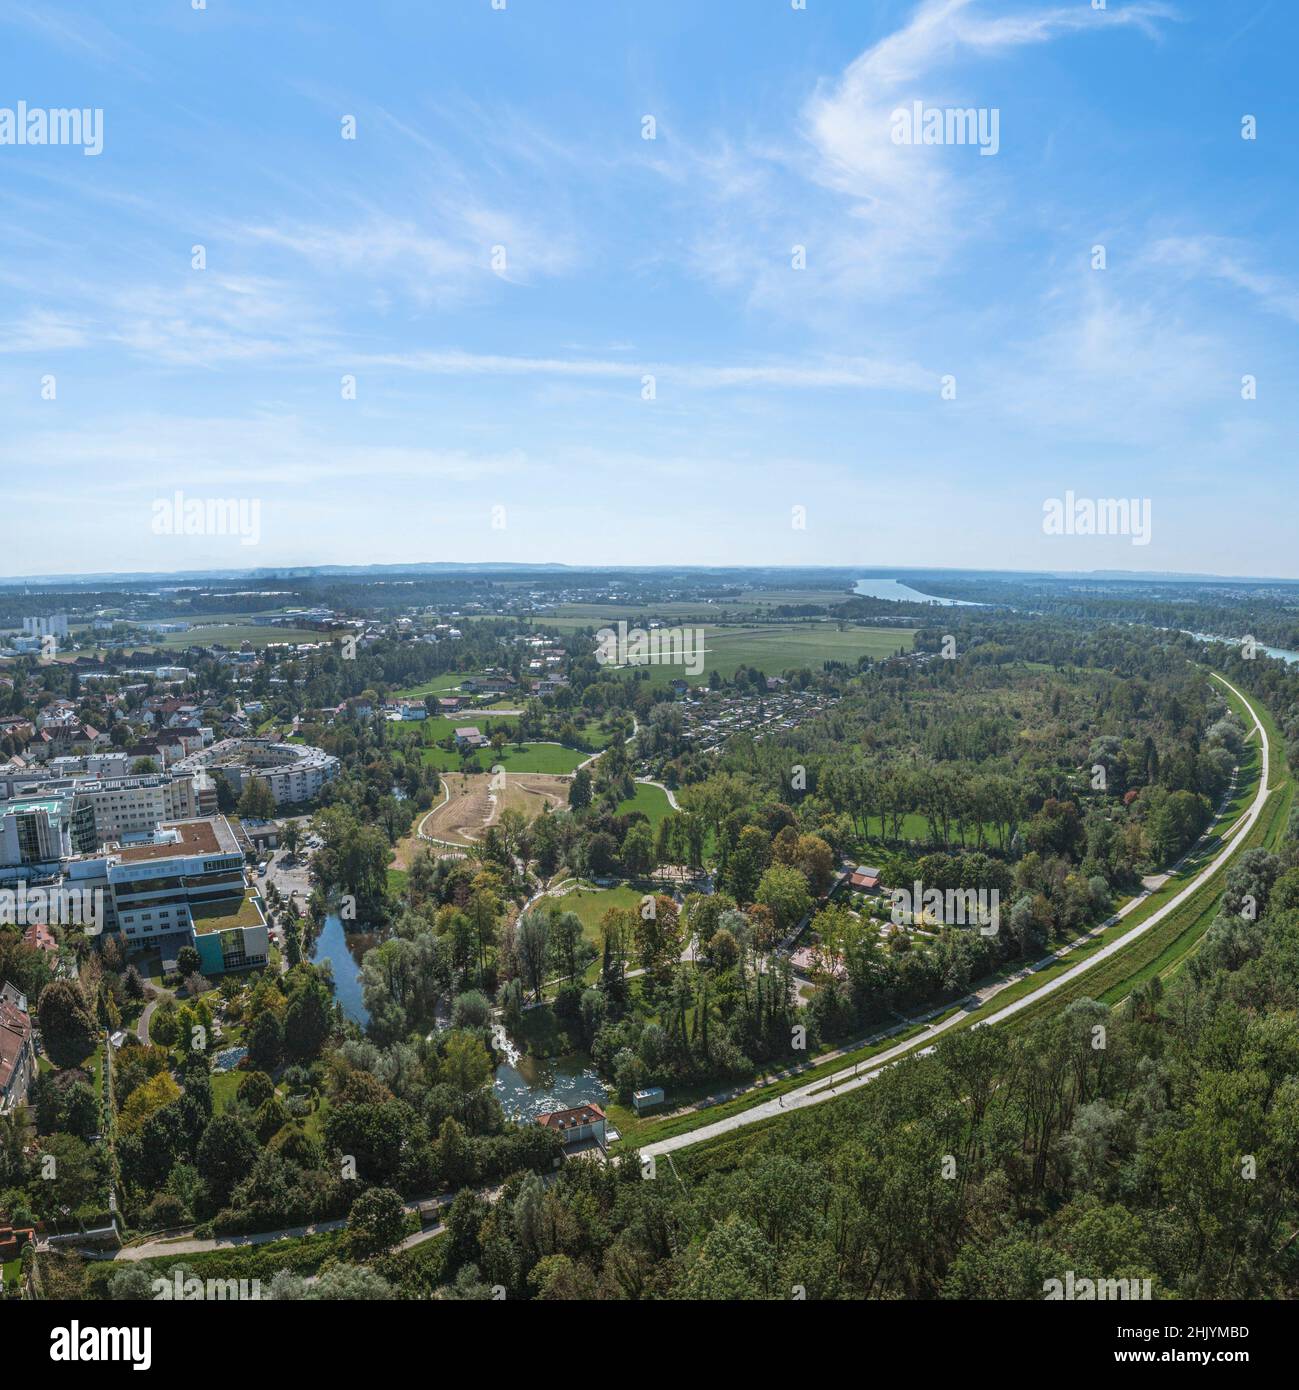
<point>651,802</point>
<point>535,757</point>
<point>591,904</point>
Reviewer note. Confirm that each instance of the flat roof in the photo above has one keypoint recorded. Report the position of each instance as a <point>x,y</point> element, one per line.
<point>194,837</point>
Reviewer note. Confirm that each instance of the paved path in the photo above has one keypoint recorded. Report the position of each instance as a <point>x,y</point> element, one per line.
<point>826,1087</point>
<point>142,1026</point>
<point>667,791</point>
<point>188,1245</point>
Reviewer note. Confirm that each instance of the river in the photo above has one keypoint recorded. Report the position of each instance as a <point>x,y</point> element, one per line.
<point>1279,652</point>
<point>525,1086</point>
<point>343,950</point>
<point>529,1086</point>
<point>895,590</point>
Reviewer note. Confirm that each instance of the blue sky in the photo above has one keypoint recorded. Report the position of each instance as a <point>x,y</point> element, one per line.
<point>519,386</point>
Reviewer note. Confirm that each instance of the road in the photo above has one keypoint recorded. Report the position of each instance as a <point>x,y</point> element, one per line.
<point>827,1088</point>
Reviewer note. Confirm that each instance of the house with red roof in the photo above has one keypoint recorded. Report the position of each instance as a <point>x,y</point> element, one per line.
<point>17,1055</point>
<point>583,1124</point>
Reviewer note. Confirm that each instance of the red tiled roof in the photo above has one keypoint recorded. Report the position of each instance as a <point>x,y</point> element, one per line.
<point>40,935</point>
<point>571,1119</point>
<point>15,1032</point>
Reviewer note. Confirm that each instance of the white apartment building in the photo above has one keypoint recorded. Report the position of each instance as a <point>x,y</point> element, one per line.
<point>294,772</point>
<point>56,625</point>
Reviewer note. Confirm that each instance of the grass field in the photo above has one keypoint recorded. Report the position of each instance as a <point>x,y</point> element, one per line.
<point>431,730</point>
<point>535,757</point>
<point>448,683</point>
<point>234,634</point>
<point>591,904</point>
<point>651,802</point>
<point>785,646</point>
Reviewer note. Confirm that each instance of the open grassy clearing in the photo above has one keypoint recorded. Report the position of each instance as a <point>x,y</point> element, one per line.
<point>553,758</point>
<point>448,683</point>
<point>591,904</point>
<point>651,802</point>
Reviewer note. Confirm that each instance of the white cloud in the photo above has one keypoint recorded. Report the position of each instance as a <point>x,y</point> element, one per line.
<point>871,373</point>
<point>41,330</point>
<point>1221,258</point>
<point>878,218</point>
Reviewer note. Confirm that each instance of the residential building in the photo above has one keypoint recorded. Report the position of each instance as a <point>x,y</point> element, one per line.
<point>294,772</point>
<point>17,1054</point>
<point>581,1125</point>
<point>56,625</point>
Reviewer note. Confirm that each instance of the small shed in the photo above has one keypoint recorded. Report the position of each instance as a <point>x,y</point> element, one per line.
<point>647,1099</point>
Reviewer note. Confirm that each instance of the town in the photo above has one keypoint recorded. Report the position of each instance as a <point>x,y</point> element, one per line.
<point>647,657</point>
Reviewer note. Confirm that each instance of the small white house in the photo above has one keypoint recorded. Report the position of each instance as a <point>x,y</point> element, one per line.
<point>647,1099</point>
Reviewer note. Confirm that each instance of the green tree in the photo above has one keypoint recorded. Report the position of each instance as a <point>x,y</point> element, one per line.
<point>257,801</point>
<point>376,1222</point>
<point>226,1154</point>
<point>68,1028</point>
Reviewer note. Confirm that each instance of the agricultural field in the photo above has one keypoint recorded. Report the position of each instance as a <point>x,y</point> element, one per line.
<point>234,635</point>
<point>785,646</point>
<point>568,617</point>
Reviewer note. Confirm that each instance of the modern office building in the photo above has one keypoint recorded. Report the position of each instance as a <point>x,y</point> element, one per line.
<point>119,807</point>
<point>187,886</point>
<point>44,829</point>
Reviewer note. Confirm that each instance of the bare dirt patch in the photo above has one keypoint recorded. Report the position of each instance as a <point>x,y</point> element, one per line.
<point>473,805</point>
<point>468,810</point>
<point>530,792</point>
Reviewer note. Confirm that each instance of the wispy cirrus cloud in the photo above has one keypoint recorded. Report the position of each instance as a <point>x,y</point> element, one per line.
<point>878,218</point>
<point>1231,262</point>
<point>819,372</point>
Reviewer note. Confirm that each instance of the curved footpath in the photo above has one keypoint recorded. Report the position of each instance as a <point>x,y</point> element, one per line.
<point>828,1087</point>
